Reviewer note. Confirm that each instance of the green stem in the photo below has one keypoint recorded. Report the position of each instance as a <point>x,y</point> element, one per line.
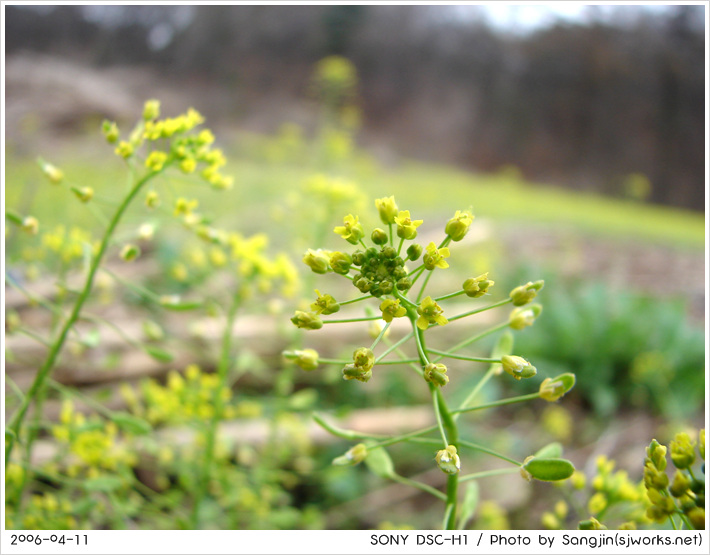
<point>346,320</point>
<point>447,425</point>
<point>487,473</point>
<point>474,392</point>
<point>512,400</point>
<point>472,312</point>
<point>424,487</point>
<point>364,297</point>
<point>473,339</point>
<point>421,291</point>
<point>483,449</point>
<point>217,403</point>
<point>394,347</point>
<point>381,335</point>
<point>463,357</point>
<point>449,296</point>
<point>46,368</point>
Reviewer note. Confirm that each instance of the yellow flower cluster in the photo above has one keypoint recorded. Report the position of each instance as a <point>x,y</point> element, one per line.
<point>93,443</point>
<point>183,397</point>
<point>69,246</point>
<point>44,512</point>
<point>185,148</point>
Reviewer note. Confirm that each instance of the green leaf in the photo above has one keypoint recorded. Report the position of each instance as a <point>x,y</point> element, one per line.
<point>469,504</point>
<point>159,354</point>
<point>379,462</point>
<point>549,469</point>
<point>103,483</point>
<point>550,451</point>
<point>131,424</point>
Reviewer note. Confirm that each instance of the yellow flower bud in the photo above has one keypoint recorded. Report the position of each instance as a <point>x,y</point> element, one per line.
<point>448,460</point>
<point>387,207</point>
<point>518,367</point>
<point>457,227</point>
<point>151,109</point>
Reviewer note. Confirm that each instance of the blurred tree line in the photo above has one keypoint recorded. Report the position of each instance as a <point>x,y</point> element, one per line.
<point>584,104</point>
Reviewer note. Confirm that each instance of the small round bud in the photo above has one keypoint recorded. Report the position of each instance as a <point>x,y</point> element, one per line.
<point>340,262</point>
<point>124,149</point>
<point>151,110</point>
<point>682,450</point>
<point>679,485</point>
<point>525,293</point>
<point>307,320</point>
<point>84,194</point>
<point>591,524</point>
<point>448,460</point>
<point>457,227</point>
<point>352,372</point>
<point>387,207</point>
<point>156,160</point>
<point>392,309</point>
<point>436,374</point>
<point>352,456</point>
<point>518,367</point>
<point>153,331</point>
<point>522,317</point>
<point>53,173</point>
<point>414,251</point>
<point>325,304</point>
<point>478,286</point>
<point>696,516</point>
<point>390,253</point>
<point>379,236</point>
<point>404,284</point>
<point>318,261</point>
<point>307,359</point>
<point>110,131</point>
<point>30,225</point>
<point>364,358</point>
<point>359,258</point>
<point>656,454</point>
<point>152,200</point>
<point>130,252</point>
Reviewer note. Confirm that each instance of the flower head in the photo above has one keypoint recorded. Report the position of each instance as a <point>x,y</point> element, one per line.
<point>448,460</point>
<point>318,261</point>
<point>352,456</point>
<point>430,313</point>
<point>156,160</point>
<point>518,367</point>
<point>392,309</point>
<point>351,230</point>
<point>151,109</point>
<point>434,258</point>
<point>325,304</point>
<point>436,374</point>
<point>307,359</point>
<point>307,320</point>
<point>478,286</point>
<point>457,227</point>
<point>387,208</point>
<point>523,317</point>
<point>406,227</point>
<point>525,293</point>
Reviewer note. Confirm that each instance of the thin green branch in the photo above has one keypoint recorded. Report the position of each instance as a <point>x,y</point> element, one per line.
<point>510,401</point>
<point>46,368</point>
<point>490,452</point>
<point>473,339</point>
<point>487,474</point>
<point>446,354</point>
<point>483,309</point>
<point>419,485</point>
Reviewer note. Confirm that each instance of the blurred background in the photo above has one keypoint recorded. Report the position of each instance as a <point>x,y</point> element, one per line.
<point>575,133</point>
<point>583,97</point>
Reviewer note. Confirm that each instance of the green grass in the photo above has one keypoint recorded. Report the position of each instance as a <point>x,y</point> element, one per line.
<point>428,190</point>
